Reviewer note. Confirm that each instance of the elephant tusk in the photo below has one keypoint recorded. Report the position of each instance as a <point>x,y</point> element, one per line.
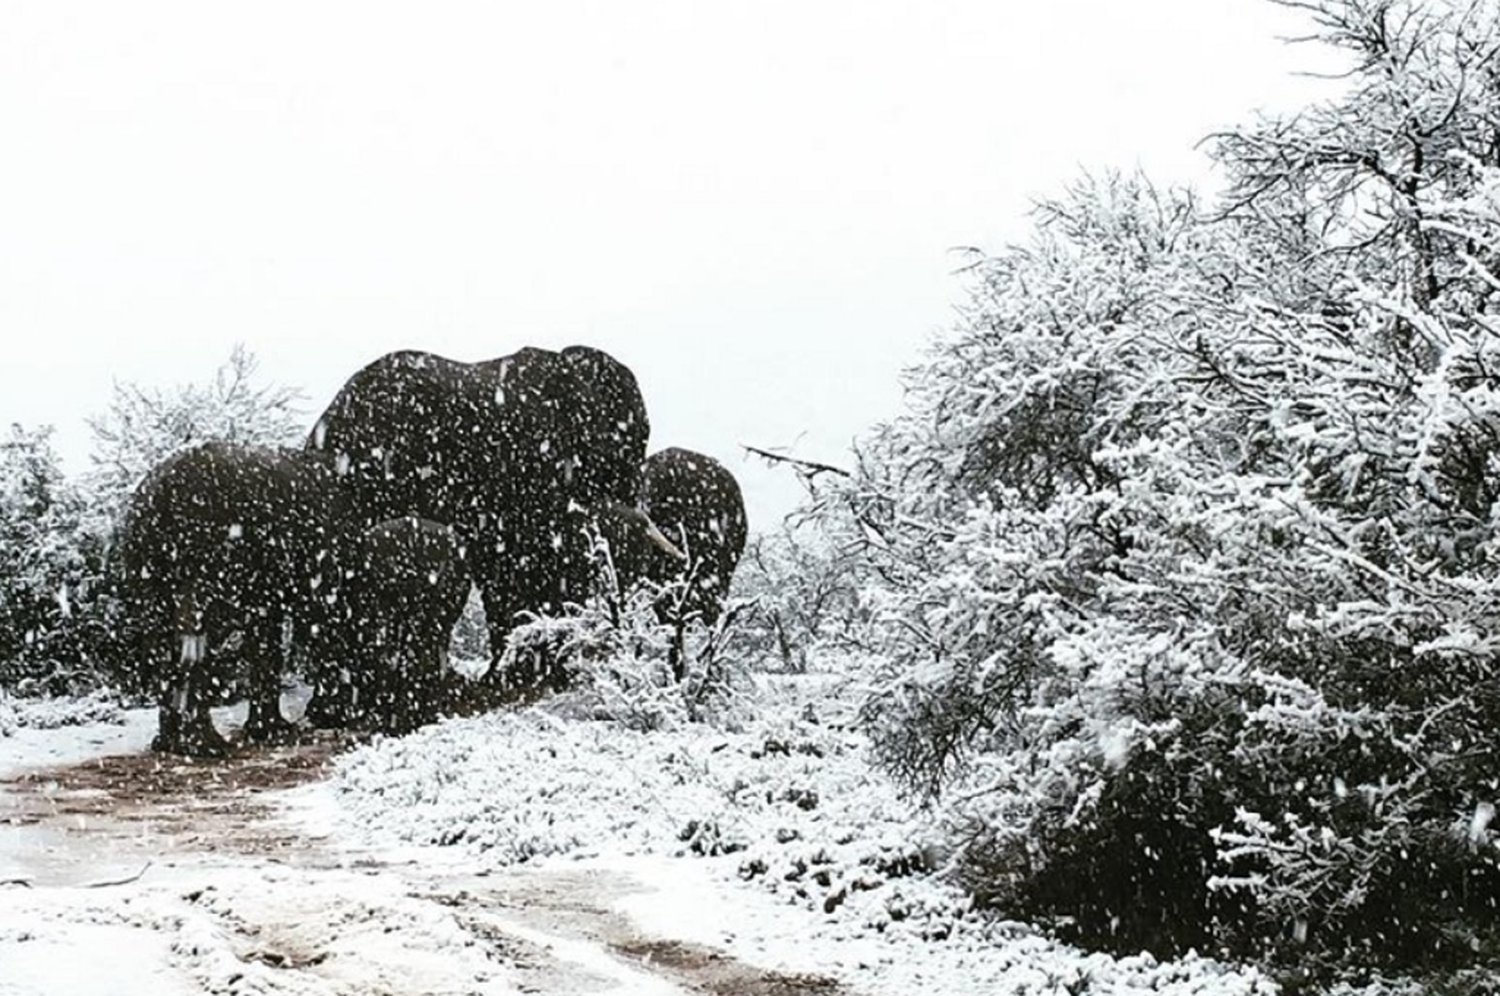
<point>660,539</point>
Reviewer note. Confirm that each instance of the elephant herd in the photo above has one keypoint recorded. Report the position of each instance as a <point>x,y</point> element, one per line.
<point>356,553</point>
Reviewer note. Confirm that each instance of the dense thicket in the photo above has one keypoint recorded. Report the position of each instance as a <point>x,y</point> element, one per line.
<point>1185,553</point>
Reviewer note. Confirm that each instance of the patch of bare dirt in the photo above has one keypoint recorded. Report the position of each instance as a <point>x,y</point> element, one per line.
<point>575,903</point>
<point>713,972</point>
<point>207,804</point>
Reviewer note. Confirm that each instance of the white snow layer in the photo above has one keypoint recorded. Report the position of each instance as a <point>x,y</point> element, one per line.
<point>778,843</point>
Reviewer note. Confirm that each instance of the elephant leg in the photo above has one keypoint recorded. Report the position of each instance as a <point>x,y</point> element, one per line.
<point>169,716</point>
<point>536,668</point>
<point>184,725</point>
<point>163,672</point>
<point>422,664</point>
<point>373,681</point>
<point>499,619</point>
<point>677,652</point>
<point>505,683</point>
<point>400,680</point>
<point>335,693</point>
<point>396,691</point>
<point>428,678</point>
<point>200,738</point>
<point>332,699</point>
<point>265,723</point>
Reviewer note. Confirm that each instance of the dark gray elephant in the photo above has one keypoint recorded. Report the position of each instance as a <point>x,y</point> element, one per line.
<point>696,503</point>
<point>404,586</point>
<point>222,547</point>
<point>513,452</point>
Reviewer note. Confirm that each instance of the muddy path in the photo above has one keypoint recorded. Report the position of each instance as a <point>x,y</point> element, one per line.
<point>284,900</point>
<point>178,803</point>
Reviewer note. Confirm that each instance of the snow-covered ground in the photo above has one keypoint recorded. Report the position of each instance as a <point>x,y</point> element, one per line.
<point>521,851</point>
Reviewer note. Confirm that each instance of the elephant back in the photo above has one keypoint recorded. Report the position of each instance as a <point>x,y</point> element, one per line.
<point>398,435</point>
<point>529,435</point>
<point>209,504</point>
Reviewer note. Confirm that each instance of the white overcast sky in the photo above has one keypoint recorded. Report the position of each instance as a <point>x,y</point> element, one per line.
<point>750,203</point>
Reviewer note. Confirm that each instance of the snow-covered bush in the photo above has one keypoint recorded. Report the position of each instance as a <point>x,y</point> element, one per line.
<point>616,657</point>
<point>790,799</point>
<point>801,588</point>
<point>1183,558</point>
<point>99,706</point>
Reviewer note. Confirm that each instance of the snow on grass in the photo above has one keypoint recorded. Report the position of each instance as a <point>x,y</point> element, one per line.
<point>41,737</point>
<point>699,903</point>
<point>778,841</point>
<point>50,714</point>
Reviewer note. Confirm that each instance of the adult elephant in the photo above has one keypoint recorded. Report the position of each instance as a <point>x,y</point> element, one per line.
<point>221,548</point>
<point>697,504</point>
<point>513,452</point>
<point>404,587</point>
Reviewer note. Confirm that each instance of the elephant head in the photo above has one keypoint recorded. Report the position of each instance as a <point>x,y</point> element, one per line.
<point>404,586</point>
<point>685,536</point>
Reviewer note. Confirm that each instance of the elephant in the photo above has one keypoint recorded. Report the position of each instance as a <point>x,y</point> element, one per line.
<point>221,543</point>
<point>404,586</point>
<point>513,452</point>
<point>697,505</point>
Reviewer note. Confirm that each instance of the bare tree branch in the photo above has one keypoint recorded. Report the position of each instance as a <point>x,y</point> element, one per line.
<point>810,468</point>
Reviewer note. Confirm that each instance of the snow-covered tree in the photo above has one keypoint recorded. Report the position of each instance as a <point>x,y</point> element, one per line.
<point>49,567</point>
<point>1184,556</point>
<point>799,587</point>
<point>144,425</point>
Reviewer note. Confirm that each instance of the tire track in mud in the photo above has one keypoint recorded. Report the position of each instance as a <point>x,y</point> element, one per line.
<point>545,932</point>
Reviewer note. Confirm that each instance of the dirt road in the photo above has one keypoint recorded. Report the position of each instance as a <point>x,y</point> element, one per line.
<point>197,860</point>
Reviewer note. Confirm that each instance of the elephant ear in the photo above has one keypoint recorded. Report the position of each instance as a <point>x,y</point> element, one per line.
<point>613,424</point>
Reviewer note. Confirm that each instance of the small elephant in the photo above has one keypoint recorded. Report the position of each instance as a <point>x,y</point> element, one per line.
<point>513,452</point>
<point>224,547</point>
<point>697,503</point>
<point>404,587</point>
